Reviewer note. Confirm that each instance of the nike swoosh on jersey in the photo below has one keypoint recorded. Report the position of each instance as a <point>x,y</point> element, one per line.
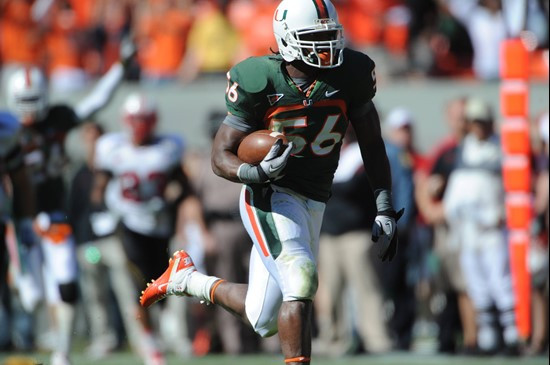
<point>328,94</point>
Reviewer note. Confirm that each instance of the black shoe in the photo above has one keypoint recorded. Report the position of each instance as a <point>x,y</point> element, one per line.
<point>469,351</point>
<point>511,351</point>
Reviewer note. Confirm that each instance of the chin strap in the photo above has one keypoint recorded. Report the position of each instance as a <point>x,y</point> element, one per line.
<point>298,359</point>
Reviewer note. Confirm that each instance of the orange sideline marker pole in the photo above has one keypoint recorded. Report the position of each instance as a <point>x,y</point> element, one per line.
<point>514,108</point>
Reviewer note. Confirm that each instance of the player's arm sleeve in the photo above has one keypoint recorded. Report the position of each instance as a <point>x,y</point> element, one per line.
<point>366,122</point>
<point>360,112</point>
<point>239,101</point>
<point>364,89</point>
<point>238,123</point>
<point>101,93</point>
<point>373,150</point>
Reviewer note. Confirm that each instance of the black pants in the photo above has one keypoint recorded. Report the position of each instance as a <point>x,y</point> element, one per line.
<point>393,278</point>
<point>3,261</point>
<point>148,255</point>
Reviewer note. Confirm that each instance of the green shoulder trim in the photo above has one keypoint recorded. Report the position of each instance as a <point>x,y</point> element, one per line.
<point>253,73</point>
<point>249,81</point>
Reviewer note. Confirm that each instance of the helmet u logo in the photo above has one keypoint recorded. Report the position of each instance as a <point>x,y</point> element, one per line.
<point>282,17</point>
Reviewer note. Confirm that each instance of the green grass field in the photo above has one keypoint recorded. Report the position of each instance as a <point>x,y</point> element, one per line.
<point>125,358</point>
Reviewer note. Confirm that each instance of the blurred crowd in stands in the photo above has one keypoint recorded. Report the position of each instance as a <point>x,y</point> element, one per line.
<point>433,297</point>
<point>178,40</point>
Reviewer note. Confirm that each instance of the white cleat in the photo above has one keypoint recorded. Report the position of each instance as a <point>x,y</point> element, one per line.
<point>172,282</point>
<point>59,358</point>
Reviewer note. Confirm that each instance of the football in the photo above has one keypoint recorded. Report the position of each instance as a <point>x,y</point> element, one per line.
<point>256,145</point>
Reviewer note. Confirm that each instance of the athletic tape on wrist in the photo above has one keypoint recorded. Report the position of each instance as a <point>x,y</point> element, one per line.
<point>383,200</point>
<point>251,174</point>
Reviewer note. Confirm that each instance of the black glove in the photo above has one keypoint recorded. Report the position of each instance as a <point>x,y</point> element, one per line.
<point>384,233</point>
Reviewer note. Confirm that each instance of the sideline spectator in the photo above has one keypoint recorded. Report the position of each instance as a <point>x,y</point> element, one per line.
<point>212,44</point>
<point>403,161</point>
<point>440,45</point>
<point>44,129</point>
<point>114,20</point>
<point>365,20</point>
<point>102,260</point>
<point>253,19</point>
<point>347,278</point>
<point>229,256</point>
<point>538,251</point>
<point>63,49</point>
<point>476,216</point>
<point>102,334</point>
<point>20,36</point>
<point>18,205</point>
<point>161,29</point>
<point>430,189</point>
<point>486,27</point>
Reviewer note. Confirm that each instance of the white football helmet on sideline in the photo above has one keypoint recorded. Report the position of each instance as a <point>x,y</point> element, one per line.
<point>140,116</point>
<point>27,94</point>
<point>309,30</point>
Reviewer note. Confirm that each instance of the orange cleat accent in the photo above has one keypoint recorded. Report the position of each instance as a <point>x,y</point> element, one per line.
<point>298,359</point>
<point>158,289</point>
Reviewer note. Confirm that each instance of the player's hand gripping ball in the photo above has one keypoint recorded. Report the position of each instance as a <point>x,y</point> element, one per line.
<point>255,146</point>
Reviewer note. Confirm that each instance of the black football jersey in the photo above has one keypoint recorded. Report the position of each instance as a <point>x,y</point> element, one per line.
<point>44,155</point>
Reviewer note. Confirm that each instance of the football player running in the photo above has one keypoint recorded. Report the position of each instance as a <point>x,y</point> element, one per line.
<point>310,91</point>
<point>139,177</point>
<point>44,128</point>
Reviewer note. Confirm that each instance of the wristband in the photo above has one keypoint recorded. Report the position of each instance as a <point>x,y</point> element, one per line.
<point>251,174</point>
<point>383,201</point>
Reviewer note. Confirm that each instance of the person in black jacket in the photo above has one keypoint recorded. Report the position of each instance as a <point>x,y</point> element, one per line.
<point>346,272</point>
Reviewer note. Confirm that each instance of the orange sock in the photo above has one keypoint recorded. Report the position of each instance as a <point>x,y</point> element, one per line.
<point>213,290</point>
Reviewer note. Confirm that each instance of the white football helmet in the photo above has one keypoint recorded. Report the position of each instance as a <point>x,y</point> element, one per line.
<point>27,94</point>
<point>309,30</point>
<point>140,116</point>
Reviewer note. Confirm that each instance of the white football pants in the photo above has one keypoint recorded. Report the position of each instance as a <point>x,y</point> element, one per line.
<point>487,271</point>
<point>285,229</point>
